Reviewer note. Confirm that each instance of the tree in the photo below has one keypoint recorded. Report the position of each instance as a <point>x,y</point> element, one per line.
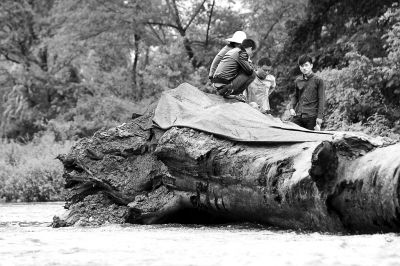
<point>330,21</point>
<point>25,62</point>
<point>100,47</point>
<point>267,19</point>
<point>171,15</point>
<point>20,32</point>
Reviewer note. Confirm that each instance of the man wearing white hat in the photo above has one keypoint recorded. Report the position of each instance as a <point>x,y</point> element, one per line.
<point>233,42</point>
<point>234,73</point>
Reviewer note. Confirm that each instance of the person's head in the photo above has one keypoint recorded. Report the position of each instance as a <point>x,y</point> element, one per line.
<point>237,38</point>
<point>249,45</point>
<point>305,64</point>
<point>265,64</point>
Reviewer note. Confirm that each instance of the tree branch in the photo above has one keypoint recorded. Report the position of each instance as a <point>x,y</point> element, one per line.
<point>271,27</point>
<point>278,18</point>
<point>162,24</point>
<point>177,18</point>
<point>195,13</point>
<point>8,58</point>
<point>209,22</point>
<point>107,6</point>
<point>94,34</point>
<point>156,34</point>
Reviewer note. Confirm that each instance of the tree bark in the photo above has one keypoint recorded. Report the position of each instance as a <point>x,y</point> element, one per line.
<point>209,23</point>
<point>138,173</point>
<point>137,89</point>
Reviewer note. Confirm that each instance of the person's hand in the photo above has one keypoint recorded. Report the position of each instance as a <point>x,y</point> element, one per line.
<point>292,112</point>
<point>261,73</point>
<point>318,124</point>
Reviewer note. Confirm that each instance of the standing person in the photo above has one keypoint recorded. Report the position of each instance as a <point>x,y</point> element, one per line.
<point>235,41</point>
<point>234,73</point>
<point>307,102</point>
<point>259,90</point>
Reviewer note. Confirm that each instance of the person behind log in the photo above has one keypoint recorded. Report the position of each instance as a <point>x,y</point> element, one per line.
<point>235,72</point>
<point>259,90</point>
<point>235,41</point>
<point>308,100</point>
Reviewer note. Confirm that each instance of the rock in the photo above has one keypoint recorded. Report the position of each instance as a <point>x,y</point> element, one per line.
<point>58,222</point>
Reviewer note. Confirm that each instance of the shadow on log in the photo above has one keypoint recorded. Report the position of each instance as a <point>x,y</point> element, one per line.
<point>140,173</point>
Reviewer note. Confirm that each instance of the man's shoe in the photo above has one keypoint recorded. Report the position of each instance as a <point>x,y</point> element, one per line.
<point>239,97</point>
<point>225,90</point>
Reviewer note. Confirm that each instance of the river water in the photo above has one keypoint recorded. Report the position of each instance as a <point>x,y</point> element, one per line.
<point>26,239</point>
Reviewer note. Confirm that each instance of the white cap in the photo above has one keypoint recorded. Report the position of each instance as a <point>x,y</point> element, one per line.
<point>237,37</point>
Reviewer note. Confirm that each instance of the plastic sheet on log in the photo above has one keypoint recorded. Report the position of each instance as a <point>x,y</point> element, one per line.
<point>186,106</point>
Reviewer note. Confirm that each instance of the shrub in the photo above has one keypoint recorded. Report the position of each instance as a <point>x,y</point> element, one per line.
<point>356,97</point>
<point>365,95</point>
<point>92,114</point>
<point>31,172</point>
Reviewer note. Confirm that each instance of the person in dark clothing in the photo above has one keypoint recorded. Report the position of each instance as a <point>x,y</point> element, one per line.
<point>308,100</point>
<point>234,73</point>
<point>235,41</point>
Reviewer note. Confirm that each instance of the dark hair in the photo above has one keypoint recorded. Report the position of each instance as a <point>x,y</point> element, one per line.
<point>249,43</point>
<point>233,44</point>
<point>264,62</point>
<point>304,59</point>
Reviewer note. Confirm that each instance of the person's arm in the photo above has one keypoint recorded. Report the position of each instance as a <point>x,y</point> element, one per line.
<point>217,60</point>
<point>244,63</point>
<point>321,99</point>
<point>294,99</point>
<point>273,86</point>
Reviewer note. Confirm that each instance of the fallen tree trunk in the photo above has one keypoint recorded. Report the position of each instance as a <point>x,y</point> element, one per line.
<point>139,173</point>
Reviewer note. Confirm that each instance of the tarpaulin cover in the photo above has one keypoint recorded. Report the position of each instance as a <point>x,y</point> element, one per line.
<point>186,106</point>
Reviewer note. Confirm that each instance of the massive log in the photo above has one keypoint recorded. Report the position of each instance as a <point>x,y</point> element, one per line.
<point>140,173</point>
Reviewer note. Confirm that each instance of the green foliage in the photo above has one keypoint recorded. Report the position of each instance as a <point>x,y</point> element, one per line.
<point>70,50</point>
<point>35,90</point>
<point>351,93</point>
<point>268,22</point>
<point>91,114</point>
<point>28,105</point>
<point>31,172</point>
<point>57,52</point>
<point>392,38</point>
<point>355,46</point>
<point>356,96</point>
<point>333,28</point>
<point>164,73</point>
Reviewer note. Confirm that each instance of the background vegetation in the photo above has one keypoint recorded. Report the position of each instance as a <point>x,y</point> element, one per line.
<point>70,67</point>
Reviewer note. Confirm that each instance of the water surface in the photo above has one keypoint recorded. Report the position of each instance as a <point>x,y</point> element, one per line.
<point>26,239</point>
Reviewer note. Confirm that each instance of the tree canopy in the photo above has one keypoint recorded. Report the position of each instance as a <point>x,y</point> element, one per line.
<point>67,63</point>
